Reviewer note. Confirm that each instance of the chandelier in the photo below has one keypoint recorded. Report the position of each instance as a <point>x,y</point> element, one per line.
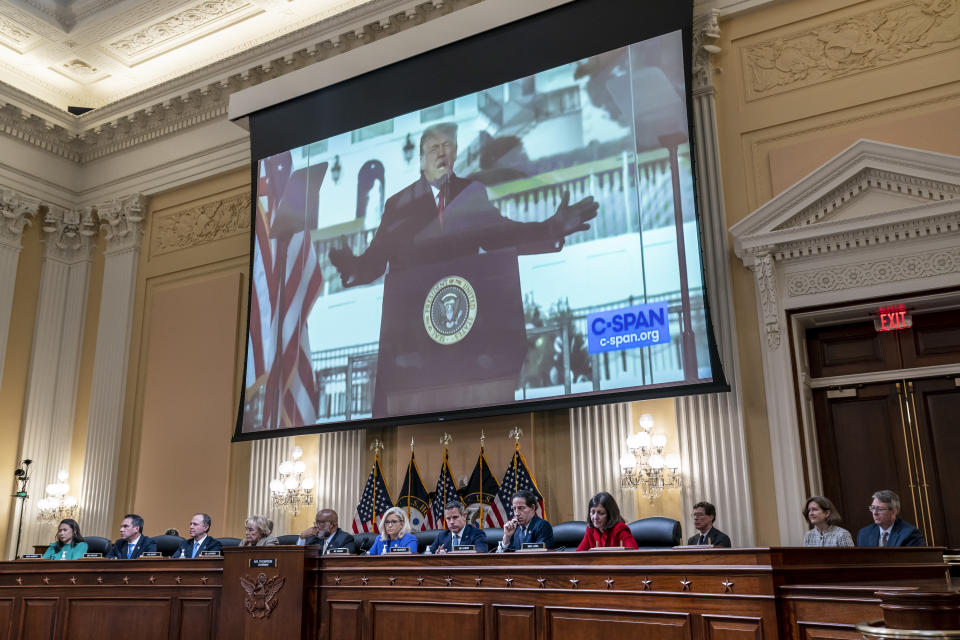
<point>291,491</point>
<point>58,505</point>
<point>644,466</point>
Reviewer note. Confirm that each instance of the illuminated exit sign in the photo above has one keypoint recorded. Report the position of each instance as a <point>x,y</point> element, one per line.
<point>892,319</point>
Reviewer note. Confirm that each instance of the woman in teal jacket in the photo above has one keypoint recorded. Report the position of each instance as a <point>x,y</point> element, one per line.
<point>69,544</point>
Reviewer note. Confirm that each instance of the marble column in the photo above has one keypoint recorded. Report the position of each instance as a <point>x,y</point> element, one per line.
<point>340,474</point>
<point>16,212</point>
<point>711,430</point>
<point>265,457</point>
<point>596,436</point>
<point>48,415</point>
<point>122,220</point>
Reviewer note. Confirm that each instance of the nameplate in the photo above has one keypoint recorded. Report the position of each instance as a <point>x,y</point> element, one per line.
<point>151,554</point>
<point>533,546</point>
<point>93,555</point>
<point>338,551</point>
<point>400,550</point>
<point>30,556</point>
<point>464,548</point>
<point>607,548</point>
<point>263,563</point>
<point>209,554</point>
<point>688,547</point>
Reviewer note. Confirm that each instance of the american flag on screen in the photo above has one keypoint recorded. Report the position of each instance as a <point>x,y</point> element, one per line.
<point>375,494</point>
<point>445,492</point>
<point>516,477</point>
<point>286,282</point>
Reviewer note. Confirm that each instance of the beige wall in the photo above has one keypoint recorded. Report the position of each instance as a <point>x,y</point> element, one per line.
<point>800,82</point>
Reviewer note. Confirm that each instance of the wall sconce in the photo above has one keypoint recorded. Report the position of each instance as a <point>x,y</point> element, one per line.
<point>291,491</point>
<point>643,465</point>
<point>58,505</point>
<point>336,169</point>
<point>408,149</point>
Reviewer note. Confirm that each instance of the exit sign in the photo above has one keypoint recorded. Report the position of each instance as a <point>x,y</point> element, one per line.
<point>892,319</point>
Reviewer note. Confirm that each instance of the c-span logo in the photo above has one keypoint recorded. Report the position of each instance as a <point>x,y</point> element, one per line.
<point>450,310</point>
<point>628,328</point>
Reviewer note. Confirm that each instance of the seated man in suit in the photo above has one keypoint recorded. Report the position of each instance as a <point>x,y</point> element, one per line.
<point>131,543</point>
<point>704,514</point>
<point>526,526</point>
<point>198,540</point>
<point>326,531</point>
<point>457,531</point>
<point>888,530</point>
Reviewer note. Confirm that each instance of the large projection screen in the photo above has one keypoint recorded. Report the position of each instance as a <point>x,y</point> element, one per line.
<point>503,224</point>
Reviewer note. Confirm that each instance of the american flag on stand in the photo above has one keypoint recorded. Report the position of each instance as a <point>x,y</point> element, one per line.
<point>446,491</point>
<point>516,477</point>
<point>375,491</point>
<point>286,282</point>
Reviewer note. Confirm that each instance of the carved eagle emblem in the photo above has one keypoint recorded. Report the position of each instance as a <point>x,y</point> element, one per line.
<point>260,600</point>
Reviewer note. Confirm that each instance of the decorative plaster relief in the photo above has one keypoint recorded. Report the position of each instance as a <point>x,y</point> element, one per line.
<point>201,224</point>
<point>13,33</point>
<point>883,271</point>
<point>202,17</point>
<point>902,31</point>
<point>765,274</point>
<point>705,35</point>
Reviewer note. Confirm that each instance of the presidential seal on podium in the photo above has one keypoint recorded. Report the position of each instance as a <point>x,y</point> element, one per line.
<point>450,309</point>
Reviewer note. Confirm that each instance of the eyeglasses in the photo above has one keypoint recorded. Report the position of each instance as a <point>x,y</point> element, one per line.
<point>391,522</point>
<point>872,509</point>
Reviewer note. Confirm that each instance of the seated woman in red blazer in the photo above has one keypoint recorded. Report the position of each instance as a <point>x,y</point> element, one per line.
<point>605,527</point>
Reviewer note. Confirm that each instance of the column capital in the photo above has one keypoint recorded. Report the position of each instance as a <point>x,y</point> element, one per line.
<point>706,32</point>
<point>71,233</point>
<point>16,211</point>
<point>764,271</point>
<point>122,221</point>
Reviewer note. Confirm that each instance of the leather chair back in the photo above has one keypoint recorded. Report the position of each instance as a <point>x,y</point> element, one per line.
<point>425,538</point>
<point>167,545</point>
<point>494,536</point>
<point>289,538</point>
<point>364,540</point>
<point>229,542</point>
<point>96,544</point>
<point>568,535</point>
<point>656,532</point>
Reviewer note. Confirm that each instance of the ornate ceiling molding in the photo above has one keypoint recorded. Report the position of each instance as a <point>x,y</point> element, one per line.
<point>203,96</point>
<point>872,39</point>
<point>70,233</point>
<point>122,222</point>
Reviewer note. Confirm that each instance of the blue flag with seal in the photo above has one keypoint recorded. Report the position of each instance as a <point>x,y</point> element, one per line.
<point>414,498</point>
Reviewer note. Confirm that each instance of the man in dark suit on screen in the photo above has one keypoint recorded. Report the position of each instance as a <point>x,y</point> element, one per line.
<point>326,531</point>
<point>704,515</point>
<point>458,532</point>
<point>198,541</point>
<point>437,220</point>
<point>888,530</point>
<point>526,526</point>
<point>131,543</point>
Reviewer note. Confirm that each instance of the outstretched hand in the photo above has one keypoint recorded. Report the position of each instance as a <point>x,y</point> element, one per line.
<point>573,218</point>
<point>343,260</point>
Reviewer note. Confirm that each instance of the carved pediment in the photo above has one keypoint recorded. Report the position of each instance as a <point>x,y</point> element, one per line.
<point>870,193</point>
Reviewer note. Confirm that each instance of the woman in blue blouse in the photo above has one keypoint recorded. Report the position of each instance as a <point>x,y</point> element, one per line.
<point>394,532</point>
<point>69,544</point>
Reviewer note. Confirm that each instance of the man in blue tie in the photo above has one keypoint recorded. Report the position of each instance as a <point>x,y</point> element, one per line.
<point>131,543</point>
<point>198,541</point>
<point>888,530</point>
<point>458,532</point>
<point>526,526</point>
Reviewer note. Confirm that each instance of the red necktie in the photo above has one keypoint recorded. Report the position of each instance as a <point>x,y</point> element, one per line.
<point>440,205</point>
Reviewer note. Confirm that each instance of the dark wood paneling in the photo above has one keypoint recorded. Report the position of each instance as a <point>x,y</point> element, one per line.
<point>97,618</point>
<point>578,624</point>
<point>855,348</point>
<point>938,405</point>
<point>815,631</point>
<point>514,621</point>
<point>6,618</point>
<point>346,618</point>
<point>934,339</point>
<point>197,617</point>
<point>860,440</point>
<point>733,628</point>
<point>38,618</point>
<point>410,620</point>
